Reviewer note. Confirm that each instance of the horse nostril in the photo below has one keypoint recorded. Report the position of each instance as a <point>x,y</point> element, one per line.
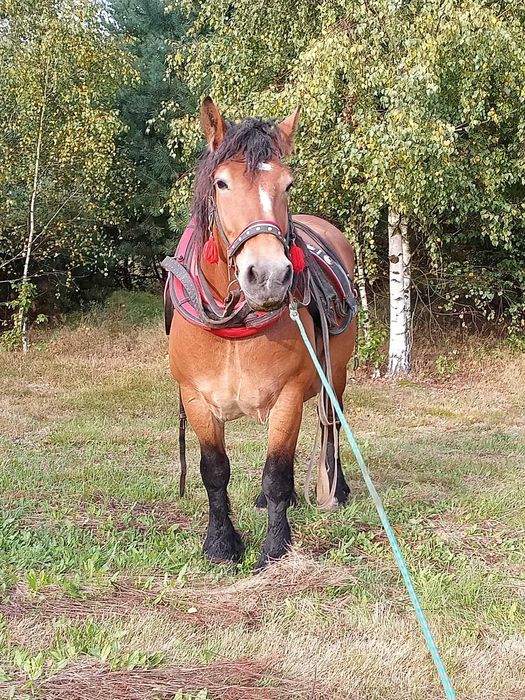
<point>251,275</point>
<point>287,277</point>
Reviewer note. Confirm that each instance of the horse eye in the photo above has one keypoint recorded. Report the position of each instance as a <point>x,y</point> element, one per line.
<point>221,185</point>
<point>289,187</point>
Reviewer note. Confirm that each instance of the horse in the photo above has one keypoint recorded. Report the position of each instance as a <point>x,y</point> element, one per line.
<point>249,256</point>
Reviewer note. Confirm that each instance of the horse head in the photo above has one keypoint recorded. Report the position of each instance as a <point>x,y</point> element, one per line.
<point>247,201</point>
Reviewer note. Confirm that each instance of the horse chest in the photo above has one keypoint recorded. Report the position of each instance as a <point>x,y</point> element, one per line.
<point>238,386</point>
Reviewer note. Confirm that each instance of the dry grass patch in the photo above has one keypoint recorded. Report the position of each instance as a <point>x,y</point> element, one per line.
<point>246,600</point>
<point>242,679</point>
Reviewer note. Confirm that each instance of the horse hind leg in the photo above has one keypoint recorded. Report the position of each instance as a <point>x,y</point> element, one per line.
<point>222,543</point>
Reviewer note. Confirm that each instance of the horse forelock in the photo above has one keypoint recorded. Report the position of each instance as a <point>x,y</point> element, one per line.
<point>252,141</point>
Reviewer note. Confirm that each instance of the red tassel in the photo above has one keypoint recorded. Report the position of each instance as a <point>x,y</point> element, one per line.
<point>210,251</point>
<point>297,258</point>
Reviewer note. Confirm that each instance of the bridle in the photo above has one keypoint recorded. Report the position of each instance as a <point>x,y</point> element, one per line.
<point>255,228</point>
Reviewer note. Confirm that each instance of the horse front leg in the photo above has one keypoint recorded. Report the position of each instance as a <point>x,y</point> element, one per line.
<point>222,543</point>
<point>277,482</point>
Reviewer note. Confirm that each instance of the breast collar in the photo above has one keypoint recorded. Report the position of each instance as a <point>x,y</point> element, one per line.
<point>191,295</point>
<point>188,292</point>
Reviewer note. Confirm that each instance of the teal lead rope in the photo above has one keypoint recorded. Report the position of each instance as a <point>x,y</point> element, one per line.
<point>400,560</point>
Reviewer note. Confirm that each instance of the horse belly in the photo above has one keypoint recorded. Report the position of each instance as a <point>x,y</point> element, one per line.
<point>231,400</point>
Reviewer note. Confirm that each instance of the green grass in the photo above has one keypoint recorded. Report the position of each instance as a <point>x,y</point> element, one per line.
<point>89,501</point>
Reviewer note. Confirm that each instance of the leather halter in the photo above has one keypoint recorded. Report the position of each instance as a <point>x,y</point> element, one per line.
<point>255,228</point>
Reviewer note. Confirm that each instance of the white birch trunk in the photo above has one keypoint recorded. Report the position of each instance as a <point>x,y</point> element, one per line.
<point>361,285</point>
<point>399,355</point>
<point>31,228</point>
<point>407,286</point>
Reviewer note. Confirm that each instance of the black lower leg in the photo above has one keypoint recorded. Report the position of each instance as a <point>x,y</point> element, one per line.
<point>278,489</point>
<point>261,501</point>
<point>222,542</point>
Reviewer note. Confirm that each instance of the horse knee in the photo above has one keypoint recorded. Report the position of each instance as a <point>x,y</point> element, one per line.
<point>277,480</point>
<point>215,468</point>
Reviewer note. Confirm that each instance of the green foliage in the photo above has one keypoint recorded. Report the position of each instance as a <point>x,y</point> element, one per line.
<point>447,364</point>
<point>418,106</point>
<point>145,30</point>
<point>59,74</point>
<point>135,308</point>
<point>121,309</point>
<point>371,347</point>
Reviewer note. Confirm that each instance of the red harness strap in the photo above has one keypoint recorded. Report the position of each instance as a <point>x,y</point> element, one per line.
<point>177,292</point>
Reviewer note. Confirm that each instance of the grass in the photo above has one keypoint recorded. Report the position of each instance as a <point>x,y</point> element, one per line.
<point>103,588</point>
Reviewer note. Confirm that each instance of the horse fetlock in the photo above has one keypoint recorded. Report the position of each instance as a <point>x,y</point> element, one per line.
<point>342,493</point>
<point>275,546</point>
<point>223,544</point>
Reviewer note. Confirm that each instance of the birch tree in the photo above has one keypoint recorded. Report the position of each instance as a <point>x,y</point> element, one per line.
<point>60,74</point>
<point>413,109</point>
<point>400,346</point>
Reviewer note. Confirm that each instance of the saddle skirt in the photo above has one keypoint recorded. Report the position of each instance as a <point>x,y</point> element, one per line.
<point>185,291</point>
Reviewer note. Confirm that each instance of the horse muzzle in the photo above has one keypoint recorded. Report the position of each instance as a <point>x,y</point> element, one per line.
<point>266,284</point>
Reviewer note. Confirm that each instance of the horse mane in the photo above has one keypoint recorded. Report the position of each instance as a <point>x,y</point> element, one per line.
<point>253,141</point>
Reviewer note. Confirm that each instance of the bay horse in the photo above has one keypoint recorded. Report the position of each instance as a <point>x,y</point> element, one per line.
<point>248,254</point>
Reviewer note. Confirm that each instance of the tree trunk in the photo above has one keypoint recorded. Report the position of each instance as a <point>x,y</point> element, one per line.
<point>361,285</point>
<point>407,287</point>
<point>23,310</point>
<point>399,352</point>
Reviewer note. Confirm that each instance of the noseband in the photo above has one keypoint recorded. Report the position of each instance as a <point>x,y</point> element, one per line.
<point>294,252</point>
<point>255,228</point>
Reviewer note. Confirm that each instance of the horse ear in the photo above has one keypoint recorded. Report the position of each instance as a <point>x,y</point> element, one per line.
<point>288,127</point>
<point>212,123</point>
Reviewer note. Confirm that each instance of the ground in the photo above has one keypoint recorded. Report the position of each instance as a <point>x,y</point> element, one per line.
<point>104,592</point>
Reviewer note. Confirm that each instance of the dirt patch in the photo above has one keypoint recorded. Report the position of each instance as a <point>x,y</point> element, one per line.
<point>241,679</point>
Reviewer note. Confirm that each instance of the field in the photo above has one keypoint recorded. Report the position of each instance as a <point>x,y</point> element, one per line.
<point>103,589</point>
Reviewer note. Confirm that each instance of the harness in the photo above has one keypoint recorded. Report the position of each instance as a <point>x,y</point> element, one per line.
<point>324,287</point>
<point>188,291</point>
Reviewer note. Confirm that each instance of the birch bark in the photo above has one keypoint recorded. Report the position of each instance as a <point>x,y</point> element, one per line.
<point>31,226</point>
<point>399,352</point>
<point>361,285</point>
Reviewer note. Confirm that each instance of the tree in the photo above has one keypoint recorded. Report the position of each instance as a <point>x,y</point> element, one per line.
<point>413,113</point>
<point>145,29</point>
<point>59,74</point>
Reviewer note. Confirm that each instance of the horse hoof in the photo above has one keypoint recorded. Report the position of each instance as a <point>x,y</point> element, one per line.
<point>272,554</point>
<point>265,559</point>
<point>224,550</point>
<point>261,503</point>
<point>338,500</point>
